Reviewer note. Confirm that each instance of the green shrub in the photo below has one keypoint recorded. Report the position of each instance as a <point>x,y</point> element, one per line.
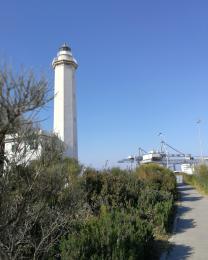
<point>156,207</point>
<point>162,216</point>
<point>112,235</point>
<point>157,177</point>
<point>113,190</point>
<point>129,210</point>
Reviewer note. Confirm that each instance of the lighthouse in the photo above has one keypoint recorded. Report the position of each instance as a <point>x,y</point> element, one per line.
<point>65,116</point>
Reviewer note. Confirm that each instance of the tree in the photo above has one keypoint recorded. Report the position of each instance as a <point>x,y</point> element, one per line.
<point>21,97</point>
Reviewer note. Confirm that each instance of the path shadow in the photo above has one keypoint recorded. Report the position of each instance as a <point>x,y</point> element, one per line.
<point>185,188</point>
<point>186,194</point>
<point>182,210</point>
<point>181,224</point>
<point>179,252</point>
<point>185,198</point>
<point>171,251</point>
<point>184,224</point>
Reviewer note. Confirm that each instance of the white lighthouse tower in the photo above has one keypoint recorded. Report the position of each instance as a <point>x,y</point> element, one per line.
<point>65,118</point>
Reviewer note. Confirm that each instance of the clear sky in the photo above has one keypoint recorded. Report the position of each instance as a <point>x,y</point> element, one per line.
<point>143,68</point>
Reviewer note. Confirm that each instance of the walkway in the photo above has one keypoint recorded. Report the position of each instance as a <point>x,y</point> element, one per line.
<point>190,239</point>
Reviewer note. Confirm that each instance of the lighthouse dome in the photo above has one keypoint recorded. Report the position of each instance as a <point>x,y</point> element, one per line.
<point>65,47</point>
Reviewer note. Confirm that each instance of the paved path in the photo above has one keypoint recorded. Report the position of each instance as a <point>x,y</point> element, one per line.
<point>190,239</point>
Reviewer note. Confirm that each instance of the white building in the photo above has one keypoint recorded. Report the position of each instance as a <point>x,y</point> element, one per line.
<point>20,150</point>
<point>187,168</point>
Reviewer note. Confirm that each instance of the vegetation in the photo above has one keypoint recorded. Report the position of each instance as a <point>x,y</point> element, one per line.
<point>36,209</point>
<point>128,211</point>
<point>116,234</point>
<point>52,208</point>
<point>200,179</point>
<point>96,215</point>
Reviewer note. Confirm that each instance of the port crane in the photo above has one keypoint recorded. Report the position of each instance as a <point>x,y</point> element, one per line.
<point>167,156</point>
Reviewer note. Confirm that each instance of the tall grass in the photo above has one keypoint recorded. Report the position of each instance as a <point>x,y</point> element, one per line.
<point>199,180</point>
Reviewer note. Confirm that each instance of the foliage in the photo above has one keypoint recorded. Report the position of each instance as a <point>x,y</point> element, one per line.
<point>113,235</point>
<point>202,170</point>
<point>199,179</point>
<point>112,190</point>
<point>98,215</point>
<point>137,208</point>
<point>158,176</point>
<point>37,209</point>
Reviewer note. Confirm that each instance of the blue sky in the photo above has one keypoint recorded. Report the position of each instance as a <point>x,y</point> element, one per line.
<point>143,68</point>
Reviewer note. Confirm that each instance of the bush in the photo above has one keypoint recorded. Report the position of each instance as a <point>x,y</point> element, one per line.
<point>113,235</point>
<point>129,211</point>
<point>110,214</point>
<point>113,190</point>
<point>37,206</point>
<point>156,207</point>
<point>157,177</point>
